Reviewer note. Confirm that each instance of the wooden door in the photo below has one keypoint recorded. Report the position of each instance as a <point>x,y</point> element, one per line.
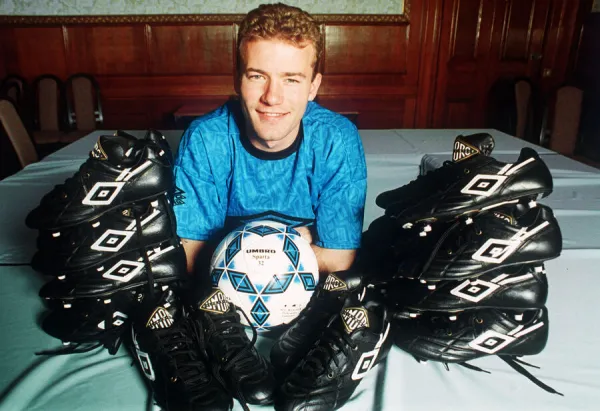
<point>481,41</point>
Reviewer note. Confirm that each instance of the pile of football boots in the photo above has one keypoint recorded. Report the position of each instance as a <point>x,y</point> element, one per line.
<point>459,255</point>
<point>198,356</point>
<point>336,340</point>
<point>107,239</point>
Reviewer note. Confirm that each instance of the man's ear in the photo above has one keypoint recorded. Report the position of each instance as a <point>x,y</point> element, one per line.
<point>314,86</point>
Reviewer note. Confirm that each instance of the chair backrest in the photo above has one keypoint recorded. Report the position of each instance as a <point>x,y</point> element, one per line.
<point>565,122</point>
<point>12,91</point>
<point>514,106</point>
<point>48,103</point>
<point>83,102</point>
<point>523,105</point>
<point>13,86</point>
<point>17,133</point>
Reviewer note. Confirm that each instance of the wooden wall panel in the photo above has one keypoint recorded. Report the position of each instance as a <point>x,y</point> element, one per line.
<point>482,41</point>
<point>366,49</point>
<point>40,50</point>
<point>374,111</point>
<point>465,30</point>
<point>561,44</point>
<point>465,41</point>
<point>80,54</point>
<point>112,50</point>
<point>459,114</point>
<point>519,17</point>
<point>164,86</point>
<point>192,49</point>
<point>352,84</point>
<point>432,66</point>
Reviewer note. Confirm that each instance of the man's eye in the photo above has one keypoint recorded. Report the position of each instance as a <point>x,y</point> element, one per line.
<point>255,77</point>
<point>292,81</point>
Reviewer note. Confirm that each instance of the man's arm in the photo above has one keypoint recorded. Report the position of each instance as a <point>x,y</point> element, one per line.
<point>192,250</point>
<point>331,260</point>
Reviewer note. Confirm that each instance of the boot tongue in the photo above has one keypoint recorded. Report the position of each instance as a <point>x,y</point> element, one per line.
<point>505,216</point>
<point>161,318</point>
<point>334,283</point>
<point>510,214</point>
<point>475,144</point>
<point>215,303</point>
<point>160,140</point>
<point>112,149</point>
<point>162,313</point>
<point>342,281</point>
<point>357,318</point>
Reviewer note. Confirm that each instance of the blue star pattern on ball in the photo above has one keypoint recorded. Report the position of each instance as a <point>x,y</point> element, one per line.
<point>291,250</point>
<point>278,284</point>
<point>259,312</point>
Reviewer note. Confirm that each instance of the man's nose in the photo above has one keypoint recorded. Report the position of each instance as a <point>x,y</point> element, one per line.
<point>273,94</point>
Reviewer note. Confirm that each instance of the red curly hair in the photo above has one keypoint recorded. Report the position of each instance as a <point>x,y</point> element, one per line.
<point>281,22</point>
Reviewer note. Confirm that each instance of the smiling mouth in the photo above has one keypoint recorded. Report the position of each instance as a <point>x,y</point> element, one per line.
<point>271,115</point>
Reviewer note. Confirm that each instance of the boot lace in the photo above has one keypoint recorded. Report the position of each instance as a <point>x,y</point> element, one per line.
<point>177,344</point>
<point>227,337</point>
<point>318,362</point>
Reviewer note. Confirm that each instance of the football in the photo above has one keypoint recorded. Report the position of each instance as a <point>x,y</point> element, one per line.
<point>267,270</point>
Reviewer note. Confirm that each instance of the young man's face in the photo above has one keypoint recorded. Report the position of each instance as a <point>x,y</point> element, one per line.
<point>275,86</point>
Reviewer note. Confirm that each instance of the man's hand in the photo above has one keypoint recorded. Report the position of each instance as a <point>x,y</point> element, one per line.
<point>329,260</point>
<point>305,233</point>
<point>332,260</point>
<point>192,250</point>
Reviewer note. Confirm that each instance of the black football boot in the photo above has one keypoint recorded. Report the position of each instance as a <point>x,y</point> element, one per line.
<point>506,237</point>
<point>235,360</point>
<point>354,342</point>
<point>477,185</point>
<point>153,136</point>
<point>114,233</point>
<point>389,252</point>
<point>402,292</point>
<point>165,344</point>
<point>126,272</point>
<point>476,334</point>
<point>83,325</point>
<point>119,171</point>
<point>513,288</point>
<point>473,334</point>
<point>466,149</point>
<point>326,302</point>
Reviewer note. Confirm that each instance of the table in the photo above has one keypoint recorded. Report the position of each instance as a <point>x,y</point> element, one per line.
<point>98,381</point>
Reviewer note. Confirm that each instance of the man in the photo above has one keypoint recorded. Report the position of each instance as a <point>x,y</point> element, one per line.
<point>274,153</point>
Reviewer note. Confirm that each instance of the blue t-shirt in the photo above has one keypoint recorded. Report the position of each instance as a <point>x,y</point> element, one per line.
<point>223,180</point>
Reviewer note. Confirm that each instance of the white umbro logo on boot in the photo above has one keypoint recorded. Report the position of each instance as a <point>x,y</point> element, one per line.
<point>367,359</point>
<point>216,303</point>
<point>332,283</point>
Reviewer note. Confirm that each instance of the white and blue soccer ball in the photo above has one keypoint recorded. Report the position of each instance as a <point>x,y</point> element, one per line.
<point>267,270</point>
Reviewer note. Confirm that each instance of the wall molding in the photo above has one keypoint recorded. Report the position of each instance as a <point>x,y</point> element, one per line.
<point>192,18</point>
